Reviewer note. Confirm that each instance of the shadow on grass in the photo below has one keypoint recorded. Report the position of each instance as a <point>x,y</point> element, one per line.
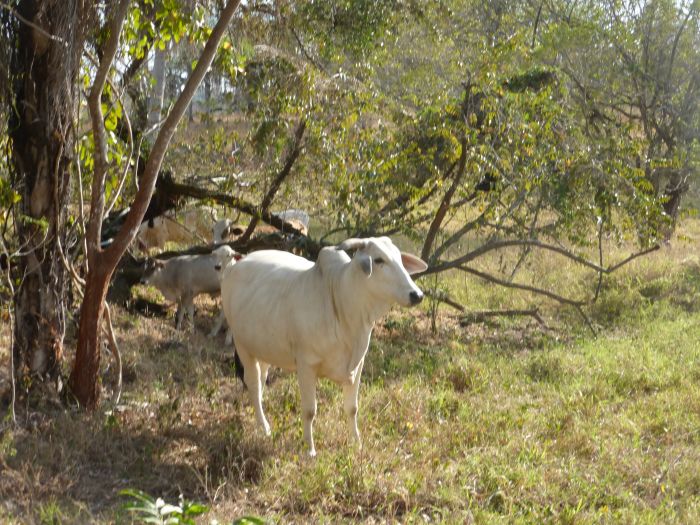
<point>86,459</point>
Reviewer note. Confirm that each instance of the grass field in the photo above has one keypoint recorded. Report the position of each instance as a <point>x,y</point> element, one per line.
<point>499,422</point>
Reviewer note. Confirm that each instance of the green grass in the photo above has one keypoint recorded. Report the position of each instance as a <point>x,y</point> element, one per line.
<point>503,422</point>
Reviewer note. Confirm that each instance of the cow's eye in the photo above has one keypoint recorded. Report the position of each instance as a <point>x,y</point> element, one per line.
<point>378,260</point>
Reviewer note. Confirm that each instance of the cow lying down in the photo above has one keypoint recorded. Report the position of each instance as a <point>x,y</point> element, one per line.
<point>182,278</point>
<point>314,318</point>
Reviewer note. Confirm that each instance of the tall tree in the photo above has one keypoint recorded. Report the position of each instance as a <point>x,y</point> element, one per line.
<point>103,262</point>
<point>634,70</point>
<point>46,42</point>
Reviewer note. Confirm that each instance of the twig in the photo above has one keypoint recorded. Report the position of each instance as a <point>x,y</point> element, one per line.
<point>536,24</point>
<point>10,311</point>
<point>588,322</point>
<point>306,53</point>
<point>611,269</point>
<point>600,261</point>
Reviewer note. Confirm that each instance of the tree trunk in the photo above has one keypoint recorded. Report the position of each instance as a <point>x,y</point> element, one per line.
<point>43,71</point>
<point>87,357</point>
<point>676,187</point>
<point>84,377</point>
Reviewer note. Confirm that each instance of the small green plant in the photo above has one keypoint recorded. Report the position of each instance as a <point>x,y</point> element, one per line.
<point>248,520</point>
<point>152,510</point>
<point>50,513</point>
<point>156,510</point>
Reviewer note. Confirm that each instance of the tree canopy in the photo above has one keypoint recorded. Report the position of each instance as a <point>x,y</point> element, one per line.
<point>462,126</point>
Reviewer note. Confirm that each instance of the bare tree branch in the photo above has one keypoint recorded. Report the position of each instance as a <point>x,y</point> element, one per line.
<point>500,244</point>
<point>578,305</point>
<point>445,203</point>
<point>632,257</point>
<point>442,297</point>
<point>292,156</point>
<point>97,202</point>
<point>148,180</point>
<point>525,287</point>
<point>482,315</point>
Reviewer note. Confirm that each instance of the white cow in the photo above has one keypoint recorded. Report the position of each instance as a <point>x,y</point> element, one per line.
<point>224,258</point>
<point>186,227</point>
<point>224,229</point>
<point>182,278</point>
<point>315,318</point>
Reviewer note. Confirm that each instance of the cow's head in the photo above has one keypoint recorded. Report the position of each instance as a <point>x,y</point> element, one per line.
<point>150,268</point>
<point>387,269</point>
<point>223,256</point>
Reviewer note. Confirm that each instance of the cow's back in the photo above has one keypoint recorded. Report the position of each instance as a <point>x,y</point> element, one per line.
<point>191,274</point>
<point>265,297</point>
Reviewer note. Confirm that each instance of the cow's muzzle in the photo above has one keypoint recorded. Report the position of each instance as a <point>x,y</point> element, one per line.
<point>415,297</point>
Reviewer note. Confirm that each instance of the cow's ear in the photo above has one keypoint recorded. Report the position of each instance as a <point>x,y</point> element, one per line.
<point>412,263</point>
<point>158,264</point>
<point>364,261</point>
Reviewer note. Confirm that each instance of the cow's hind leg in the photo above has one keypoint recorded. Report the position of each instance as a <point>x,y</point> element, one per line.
<point>185,308</point>
<point>179,315</point>
<point>264,369</point>
<point>251,376</point>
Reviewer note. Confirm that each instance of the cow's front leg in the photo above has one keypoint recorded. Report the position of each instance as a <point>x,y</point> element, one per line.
<point>220,321</point>
<point>350,403</point>
<point>307,386</point>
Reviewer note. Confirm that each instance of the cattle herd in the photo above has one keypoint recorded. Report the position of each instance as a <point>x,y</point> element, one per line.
<point>282,310</point>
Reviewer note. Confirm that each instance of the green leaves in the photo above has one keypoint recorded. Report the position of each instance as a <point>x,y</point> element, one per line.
<point>157,511</point>
<point>8,196</point>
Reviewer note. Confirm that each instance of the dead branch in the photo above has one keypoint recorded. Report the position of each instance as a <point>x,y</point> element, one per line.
<point>195,192</point>
<point>481,316</point>
<point>577,305</point>
<point>292,156</point>
<point>525,287</point>
<point>442,297</point>
<point>500,244</point>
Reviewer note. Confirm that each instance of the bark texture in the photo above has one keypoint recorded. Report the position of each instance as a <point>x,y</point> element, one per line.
<point>44,63</point>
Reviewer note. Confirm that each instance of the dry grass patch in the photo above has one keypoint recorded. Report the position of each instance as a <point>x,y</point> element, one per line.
<point>494,422</point>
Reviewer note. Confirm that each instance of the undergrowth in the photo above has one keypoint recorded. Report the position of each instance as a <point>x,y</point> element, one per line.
<point>503,421</point>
